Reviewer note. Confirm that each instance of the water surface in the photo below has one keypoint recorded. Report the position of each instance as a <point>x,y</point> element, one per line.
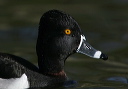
<point>104,23</point>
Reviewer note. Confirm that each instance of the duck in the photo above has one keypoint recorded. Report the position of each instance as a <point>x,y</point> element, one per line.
<point>59,36</point>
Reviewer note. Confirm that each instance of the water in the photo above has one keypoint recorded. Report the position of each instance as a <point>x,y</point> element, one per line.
<point>89,73</point>
<point>104,22</point>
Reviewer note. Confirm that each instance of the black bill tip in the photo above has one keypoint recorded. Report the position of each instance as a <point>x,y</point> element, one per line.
<point>103,56</point>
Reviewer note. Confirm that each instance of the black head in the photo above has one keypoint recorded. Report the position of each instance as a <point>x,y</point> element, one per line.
<point>58,37</point>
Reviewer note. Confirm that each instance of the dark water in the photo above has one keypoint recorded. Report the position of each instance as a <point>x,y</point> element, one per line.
<point>89,73</point>
<point>104,22</point>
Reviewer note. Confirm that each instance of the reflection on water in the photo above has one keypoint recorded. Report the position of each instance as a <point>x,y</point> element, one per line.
<point>118,79</point>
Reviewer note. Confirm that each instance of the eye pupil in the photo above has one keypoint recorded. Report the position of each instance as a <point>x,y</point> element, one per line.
<point>67,31</point>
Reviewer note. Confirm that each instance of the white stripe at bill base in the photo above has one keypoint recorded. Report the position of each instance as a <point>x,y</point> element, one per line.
<point>82,38</point>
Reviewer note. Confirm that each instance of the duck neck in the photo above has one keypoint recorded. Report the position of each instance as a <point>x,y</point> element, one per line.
<point>52,67</point>
<point>51,58</point>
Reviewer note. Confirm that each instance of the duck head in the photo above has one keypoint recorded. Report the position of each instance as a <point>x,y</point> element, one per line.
<point>59,36</point>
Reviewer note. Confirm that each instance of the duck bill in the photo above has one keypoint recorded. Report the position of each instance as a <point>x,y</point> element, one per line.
<point>87,49</point>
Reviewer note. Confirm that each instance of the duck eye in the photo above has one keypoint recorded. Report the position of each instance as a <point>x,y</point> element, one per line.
<point>67,31</point>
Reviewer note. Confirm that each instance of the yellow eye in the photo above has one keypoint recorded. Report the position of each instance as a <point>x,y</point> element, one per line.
<point>67,31</point>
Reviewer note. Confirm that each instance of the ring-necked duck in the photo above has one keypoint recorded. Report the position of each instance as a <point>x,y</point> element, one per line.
<point>59,36</point>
